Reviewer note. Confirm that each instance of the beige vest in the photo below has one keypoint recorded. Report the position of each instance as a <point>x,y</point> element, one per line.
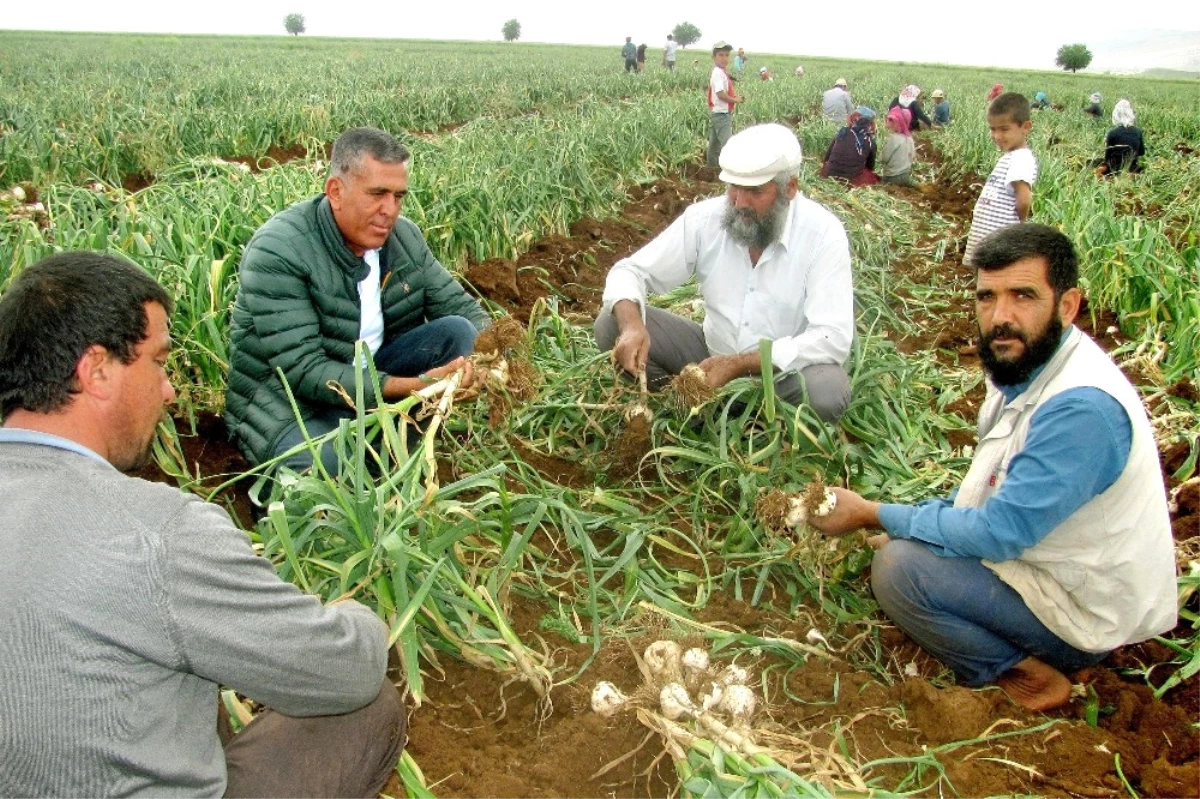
<point>1105,576</point>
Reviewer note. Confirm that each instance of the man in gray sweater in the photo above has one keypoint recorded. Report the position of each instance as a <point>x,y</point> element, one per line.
<point>126,604</point>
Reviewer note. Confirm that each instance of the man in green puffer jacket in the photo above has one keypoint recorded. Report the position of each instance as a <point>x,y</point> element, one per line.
<point>320,276</point>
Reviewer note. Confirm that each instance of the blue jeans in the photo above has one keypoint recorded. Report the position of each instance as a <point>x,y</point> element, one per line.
<point>426,347</point>
<point>960,612</point>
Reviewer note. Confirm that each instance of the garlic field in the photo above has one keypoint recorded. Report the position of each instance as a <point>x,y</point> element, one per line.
<point>540,539</point>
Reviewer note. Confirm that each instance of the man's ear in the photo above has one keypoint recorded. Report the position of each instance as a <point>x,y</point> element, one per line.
<point>94,372</point>
<point>793,187</point>
<point>1068,305</point>
<point>333,190</point>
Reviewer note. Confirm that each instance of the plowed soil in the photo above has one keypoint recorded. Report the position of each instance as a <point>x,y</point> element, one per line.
<point>477,736</point>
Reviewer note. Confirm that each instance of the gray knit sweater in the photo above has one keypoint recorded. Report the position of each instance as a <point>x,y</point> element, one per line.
<point>123,605</point>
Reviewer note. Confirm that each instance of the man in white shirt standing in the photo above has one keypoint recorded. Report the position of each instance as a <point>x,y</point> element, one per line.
<point>770,264</point>
<point>670,51</point>
<point>721,100</point>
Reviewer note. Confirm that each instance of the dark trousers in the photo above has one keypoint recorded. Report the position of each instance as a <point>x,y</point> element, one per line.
<point>675,342</point>
<point>427,347</point>
<point>353,754</point>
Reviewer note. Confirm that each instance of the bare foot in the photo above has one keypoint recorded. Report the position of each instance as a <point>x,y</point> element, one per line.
<point>1036,685</point>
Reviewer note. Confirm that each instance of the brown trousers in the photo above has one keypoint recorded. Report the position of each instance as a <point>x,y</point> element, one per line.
<point>321,756</point>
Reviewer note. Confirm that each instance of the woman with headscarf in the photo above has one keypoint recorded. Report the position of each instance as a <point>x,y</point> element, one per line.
<point>1093,108</point>
<point>851,154</point>
<point>898,152</point>
<point>996,90</point>
<point>1123,145</point>
<point>908,99</point>
<point>1040,101</point>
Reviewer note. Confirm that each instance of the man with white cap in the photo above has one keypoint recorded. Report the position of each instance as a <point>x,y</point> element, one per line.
<point>836,104</point>
<point>770,264</point>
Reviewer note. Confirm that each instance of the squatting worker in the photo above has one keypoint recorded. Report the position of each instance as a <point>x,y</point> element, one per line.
<point>770,264</point>
<point>1057,547</point>
<point>340,267</point>
<point>125,603</point>
<point>721,101</point>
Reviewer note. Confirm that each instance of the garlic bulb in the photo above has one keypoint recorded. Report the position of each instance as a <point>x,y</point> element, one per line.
<point>607,699</point>
<point>675,702</point>
<point>713,698</point>
<point>826,507</point>
<point>797,514</point>
<point>739,702</point>
<point>695,662</point>
<point>662,659</point>
<point>498,374</point>
<point>733,674</point>
<point>639,409</point>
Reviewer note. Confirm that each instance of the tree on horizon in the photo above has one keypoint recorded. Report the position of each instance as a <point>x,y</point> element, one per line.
<point>686,33</point>
<point>1073,57</point>
<point>511,30</point>
<point>294,24</point>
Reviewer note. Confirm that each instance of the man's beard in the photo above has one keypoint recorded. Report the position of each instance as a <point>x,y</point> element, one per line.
<point>744,226</point>
<point>1036,353</point>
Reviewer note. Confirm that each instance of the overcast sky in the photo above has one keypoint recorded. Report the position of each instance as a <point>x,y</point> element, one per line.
<point>1015,33</point>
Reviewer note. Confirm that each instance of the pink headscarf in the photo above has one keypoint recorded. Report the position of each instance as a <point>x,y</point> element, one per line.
<point>902,119</point>
<point>997,90</point>
<point>909,95</point>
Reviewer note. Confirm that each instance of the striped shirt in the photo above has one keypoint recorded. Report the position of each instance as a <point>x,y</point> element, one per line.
<point>997,203</point>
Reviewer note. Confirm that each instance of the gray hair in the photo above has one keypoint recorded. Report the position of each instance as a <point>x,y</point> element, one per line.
<point>782,179</point>
<point>352,145</point>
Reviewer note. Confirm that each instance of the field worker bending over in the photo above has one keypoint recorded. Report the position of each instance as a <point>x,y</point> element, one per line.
<point>770,264</point>
<point>332,270</point>
<point>1057,547</point>
<point>125,604</point>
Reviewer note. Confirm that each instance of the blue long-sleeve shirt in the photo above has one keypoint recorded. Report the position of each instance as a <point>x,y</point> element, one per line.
<point>1077,446</point>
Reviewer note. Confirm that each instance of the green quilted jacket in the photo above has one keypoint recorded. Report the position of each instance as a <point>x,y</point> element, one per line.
<point>297,309</point>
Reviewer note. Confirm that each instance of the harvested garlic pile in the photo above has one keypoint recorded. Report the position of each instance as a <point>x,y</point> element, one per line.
<point>686,687</point>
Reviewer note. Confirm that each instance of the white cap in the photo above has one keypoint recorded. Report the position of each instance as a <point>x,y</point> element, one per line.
<point>759,153</point>
<point>840,82</point>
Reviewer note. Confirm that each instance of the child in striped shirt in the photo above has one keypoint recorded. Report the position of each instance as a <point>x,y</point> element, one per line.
<point>1007,197</point>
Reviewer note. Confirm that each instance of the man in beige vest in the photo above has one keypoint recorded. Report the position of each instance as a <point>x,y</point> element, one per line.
<point>1057,547</point>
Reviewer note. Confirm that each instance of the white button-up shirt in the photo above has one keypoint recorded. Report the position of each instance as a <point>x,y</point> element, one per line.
<point>800,294</point>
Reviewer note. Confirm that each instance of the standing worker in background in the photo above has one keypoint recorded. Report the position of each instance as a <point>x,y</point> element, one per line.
<point>126,604</point>
<point>721,101</point>
<point>670,51</point>
<point>641,58</point>
<point>1057,547</point>
<point>836,104</point>
<point>629,53</point>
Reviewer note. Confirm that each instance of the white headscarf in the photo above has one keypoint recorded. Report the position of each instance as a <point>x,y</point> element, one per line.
<point>911,92</point>
<point>1095,98</point>
<point>1123,113</point>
